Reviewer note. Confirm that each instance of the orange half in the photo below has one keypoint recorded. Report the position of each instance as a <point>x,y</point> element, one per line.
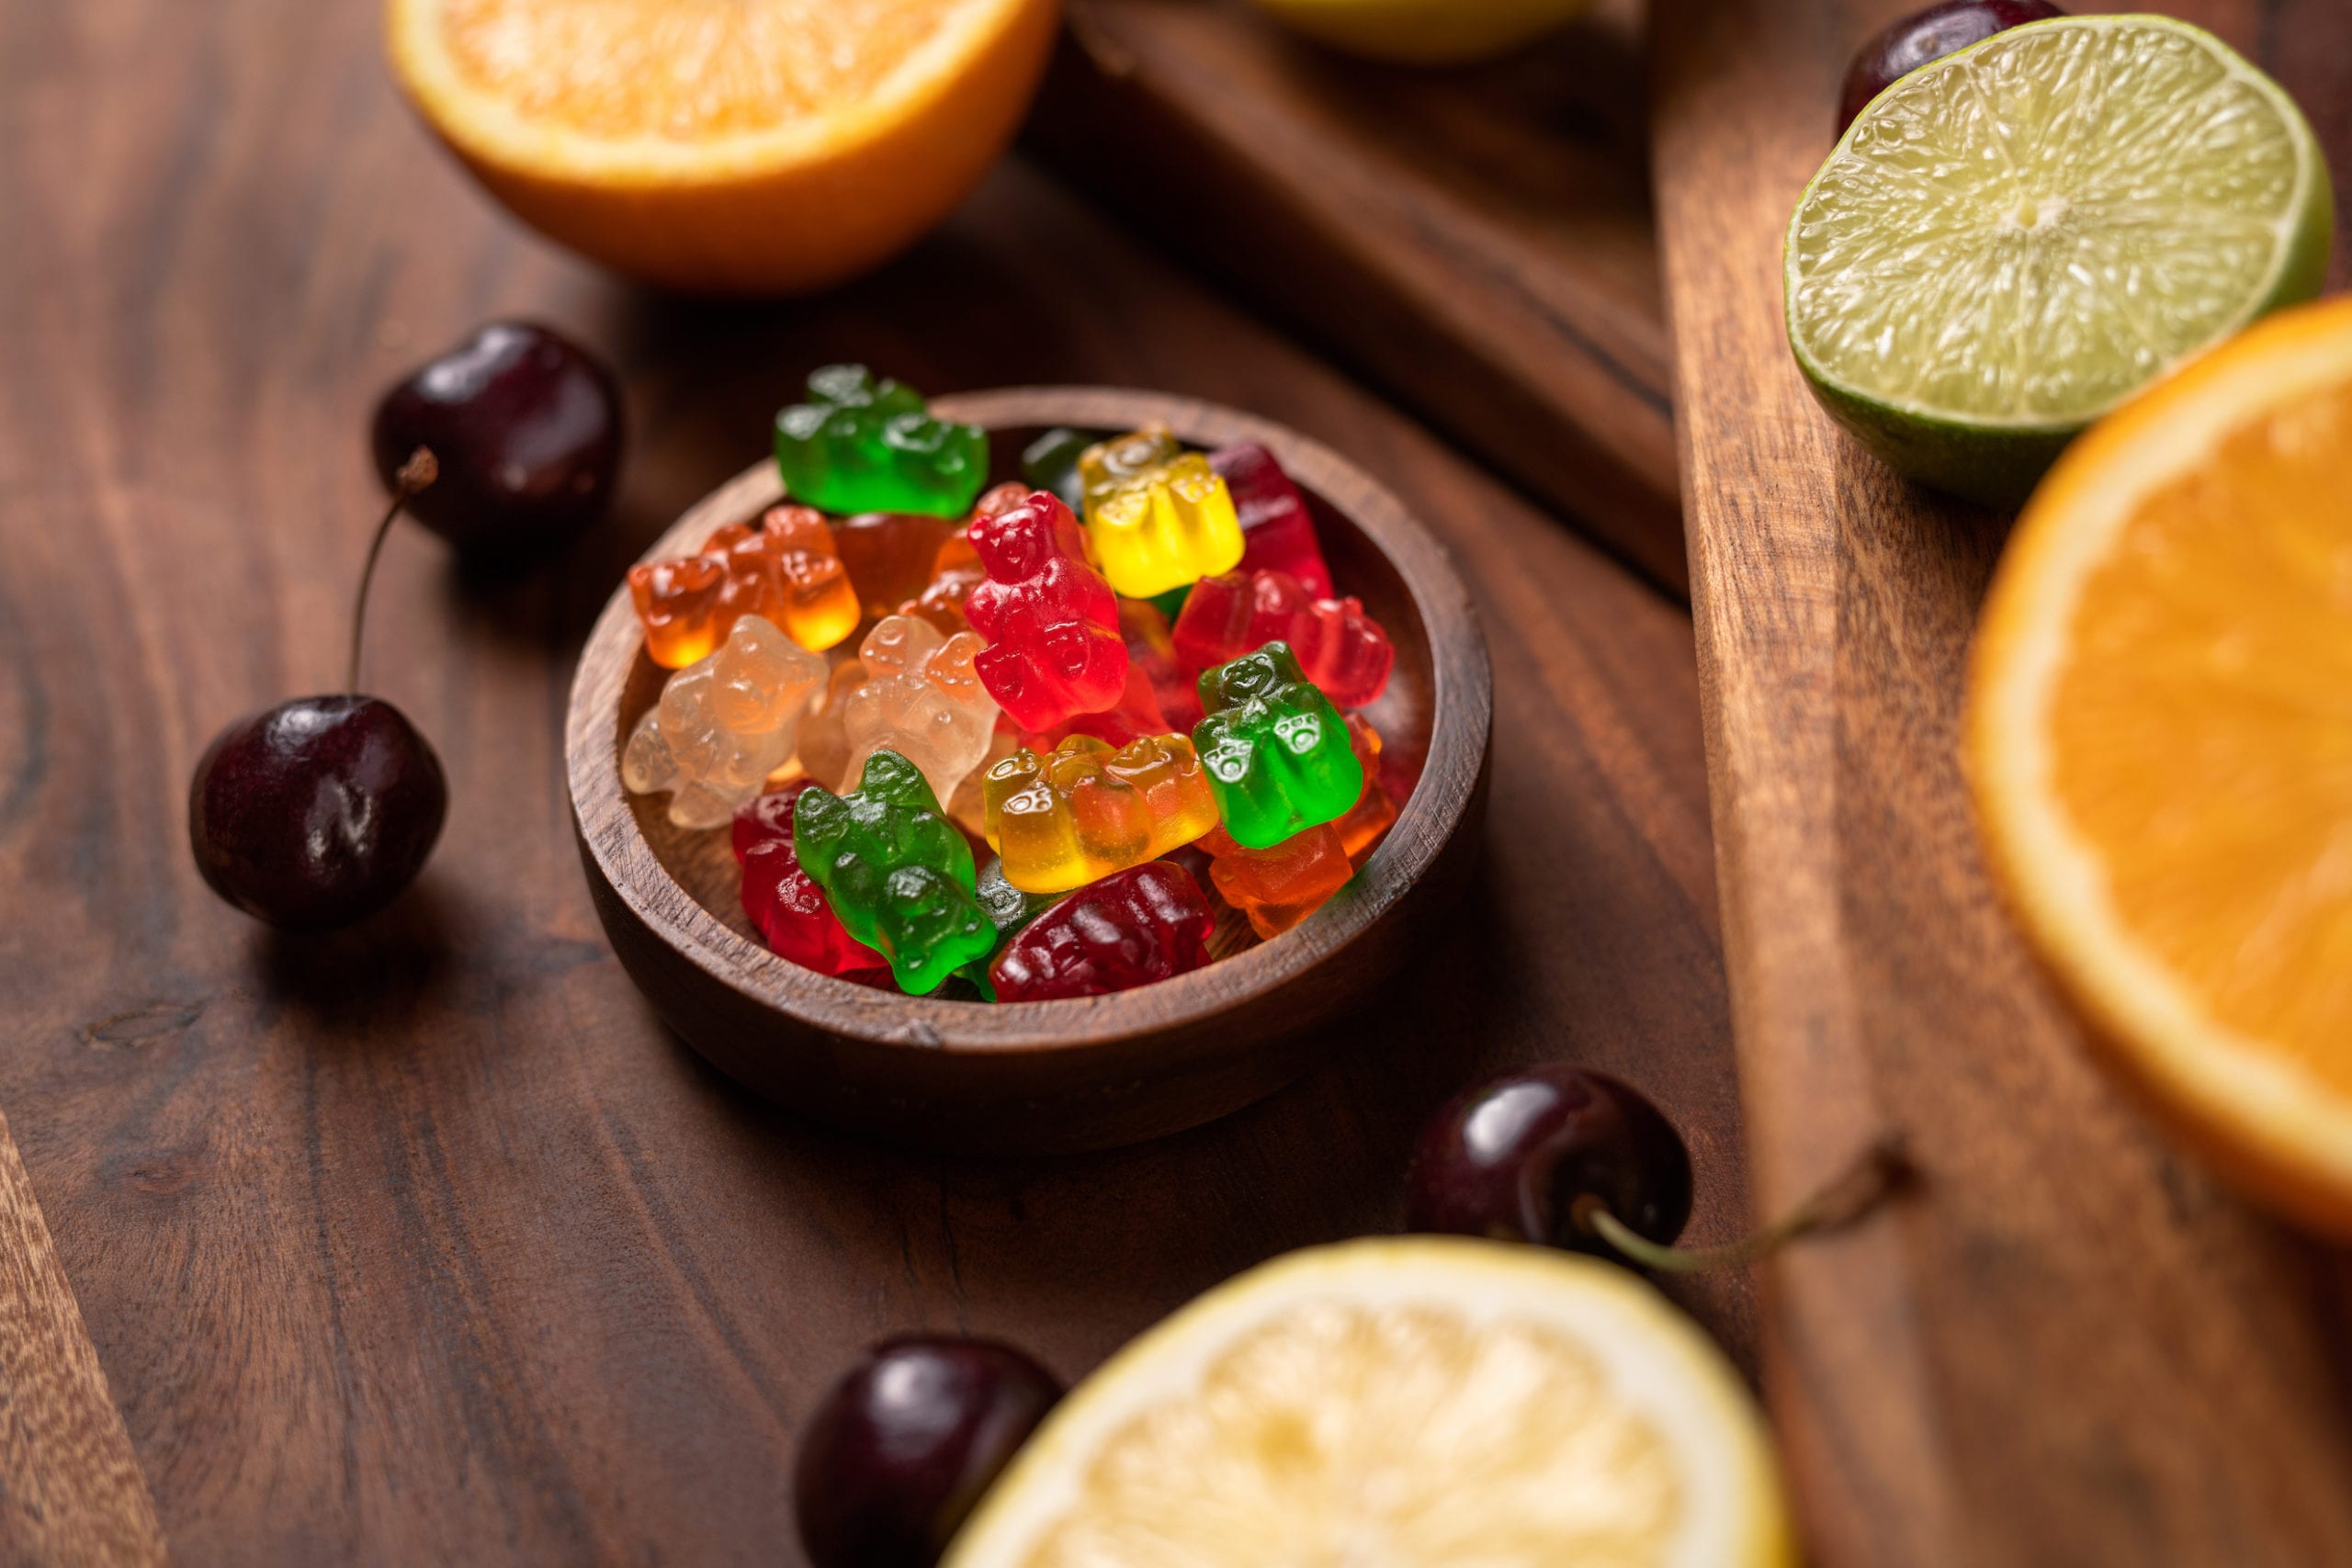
<point>2160,740</point>
<point>725,145</point>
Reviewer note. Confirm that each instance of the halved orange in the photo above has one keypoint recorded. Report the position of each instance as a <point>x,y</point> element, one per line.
<point>2160,739</point>
<point>740,146</point>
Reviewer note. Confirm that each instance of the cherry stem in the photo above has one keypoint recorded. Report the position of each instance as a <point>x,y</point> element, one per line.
<point>419,471</point>
<point>1877,1172</point>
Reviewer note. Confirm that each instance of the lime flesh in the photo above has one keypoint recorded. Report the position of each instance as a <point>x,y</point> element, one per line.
<point>2011,241</point>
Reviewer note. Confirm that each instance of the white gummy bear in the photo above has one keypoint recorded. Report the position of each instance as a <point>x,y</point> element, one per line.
<point>921,699</point>
<point>723,724</point>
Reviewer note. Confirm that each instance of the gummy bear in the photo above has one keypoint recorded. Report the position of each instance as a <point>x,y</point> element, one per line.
<point>1050,464</point>
<point>1275,751</point>
<point>1151,647</point>
<point>824,745</point>
<point>1277,533</point>
<point>889,555</point>
<point>920,699</point>
<point>785,903</point>
<point>896,871</point>
<point>1278,887</point>
<point>860,444</point>
<point>723,724</point>
<point>1106,466</point>
<point>1083,810</point>
<point>785,569</point>
<point>1149,922</point>
<point>955,570</point>
<point>1008,905</point>
<point>1160,518</point>
<point>1369,819</point>
<point>1341,649</point>
<point>1136,715</point>
<point>1051,623</point>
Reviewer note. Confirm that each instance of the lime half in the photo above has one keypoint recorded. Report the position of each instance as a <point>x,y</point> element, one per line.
<point>2014,239</point>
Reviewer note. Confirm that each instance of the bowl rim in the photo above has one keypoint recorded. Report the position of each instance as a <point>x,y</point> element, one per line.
<point>1461,706</point>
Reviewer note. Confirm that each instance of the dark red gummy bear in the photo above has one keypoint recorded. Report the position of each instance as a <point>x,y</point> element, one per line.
<point>1277,533</point>
<point>785,901</point>
<point>1149,922</point>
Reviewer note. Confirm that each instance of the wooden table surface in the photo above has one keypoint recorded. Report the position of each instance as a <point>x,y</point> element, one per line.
<point>426,1242</point>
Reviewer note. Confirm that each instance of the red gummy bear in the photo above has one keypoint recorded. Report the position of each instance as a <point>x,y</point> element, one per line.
<point>1277,535</point>
<point>1153,650</point>
<point>786,904</point>
<point>1339,648</point>
<point>1149,922</point>
<point>1052,623</point>
<point>1136,715</point>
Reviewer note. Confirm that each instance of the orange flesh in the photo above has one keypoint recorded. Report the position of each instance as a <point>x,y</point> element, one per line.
<point>2202,730</point>
<point>693,71</point>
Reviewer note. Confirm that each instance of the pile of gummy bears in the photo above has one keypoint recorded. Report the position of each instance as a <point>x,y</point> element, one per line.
<point>1020,684</point>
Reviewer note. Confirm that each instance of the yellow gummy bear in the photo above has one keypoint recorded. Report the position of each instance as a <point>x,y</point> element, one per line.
<point>1166,526</point>
<point>1083,811</point>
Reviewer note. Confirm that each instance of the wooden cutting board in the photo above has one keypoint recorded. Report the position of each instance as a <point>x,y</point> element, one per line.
<point>1478,243</point>
<point>2072,1349</point>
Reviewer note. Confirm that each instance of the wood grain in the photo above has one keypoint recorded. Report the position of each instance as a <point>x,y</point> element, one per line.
<point>70,1489</point>
<point>1478,242</point>
<point>2072,1349</point>
<point>427,1242</point>
<point>1035,1077</point>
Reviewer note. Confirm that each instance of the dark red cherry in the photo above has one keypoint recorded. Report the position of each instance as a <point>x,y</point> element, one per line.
<point>1929,35</point>
<point>1509,1158</point>
<point>905,1443</point>
<point>317,812</point>
<point>527,428</point>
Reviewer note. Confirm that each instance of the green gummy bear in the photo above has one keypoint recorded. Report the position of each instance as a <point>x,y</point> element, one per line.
<point>1275,750</point>
<point>1050,464</point>
<point>860,444</point>
<point>896,871</point>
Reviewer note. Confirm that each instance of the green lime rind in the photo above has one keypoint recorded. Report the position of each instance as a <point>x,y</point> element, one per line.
<point>1997,462</point>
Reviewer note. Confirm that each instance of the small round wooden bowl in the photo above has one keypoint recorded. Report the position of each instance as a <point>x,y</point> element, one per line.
<point>1039,1077</point>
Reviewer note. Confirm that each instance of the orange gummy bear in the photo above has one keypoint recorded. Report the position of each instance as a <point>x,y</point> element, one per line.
<point>1280,887</point>
<point>785,569</point>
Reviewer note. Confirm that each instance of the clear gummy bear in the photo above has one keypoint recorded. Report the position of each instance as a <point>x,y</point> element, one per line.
<point>921,699</point>
<point>724,723</point>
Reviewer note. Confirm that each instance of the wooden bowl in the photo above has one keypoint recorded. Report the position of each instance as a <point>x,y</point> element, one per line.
<point>1036,1077</point>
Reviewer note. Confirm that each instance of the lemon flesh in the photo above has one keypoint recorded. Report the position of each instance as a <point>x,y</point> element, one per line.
<point>2012,240</point>
<point>1411,1402</point>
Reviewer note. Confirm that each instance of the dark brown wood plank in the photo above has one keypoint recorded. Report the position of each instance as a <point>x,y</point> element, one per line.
<point>2072,1349</point>
<point>1477,241</point>
<point>425,1243</point>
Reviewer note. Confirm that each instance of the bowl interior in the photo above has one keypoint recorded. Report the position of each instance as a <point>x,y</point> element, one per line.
<point>702,861</point>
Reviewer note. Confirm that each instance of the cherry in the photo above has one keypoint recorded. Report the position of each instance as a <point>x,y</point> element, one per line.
<point>898,1452</point>
<point>527,428</point>
<point>1509,1158</point>
<point>1562,1157</point>
<point>1929,35</point>
<point>317,812</point>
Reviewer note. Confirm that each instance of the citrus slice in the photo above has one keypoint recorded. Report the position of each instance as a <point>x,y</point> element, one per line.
<point>2160,736</point>
<point>725,145</point>
<point>2012,240</point>
<point>1425,32</point>
<point>1411,1402</point>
